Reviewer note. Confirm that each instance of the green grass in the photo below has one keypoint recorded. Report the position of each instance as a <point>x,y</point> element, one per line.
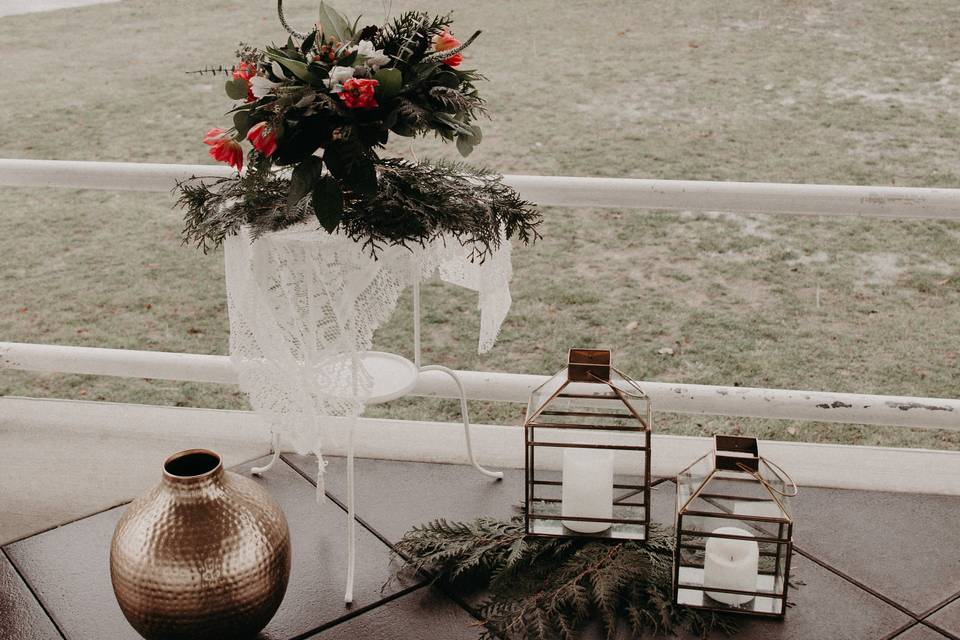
<point>817,92</point>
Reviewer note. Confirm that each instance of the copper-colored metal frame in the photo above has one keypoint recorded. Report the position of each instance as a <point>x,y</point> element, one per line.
<point>729,456</point>
<point>589,366</point>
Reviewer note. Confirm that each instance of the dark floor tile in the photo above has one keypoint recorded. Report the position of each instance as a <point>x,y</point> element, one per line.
<point>394,496</point>
<point>827,607</point>
<point>947,618</point>
<point>902,545</point>
<point>21,616</point>
<point>68,567</point>
<point>920,632</point>
<point>425,613</point>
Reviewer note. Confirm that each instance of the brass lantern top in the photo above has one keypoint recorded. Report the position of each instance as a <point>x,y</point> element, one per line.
<point>735,471</point>
<point>589,380</point>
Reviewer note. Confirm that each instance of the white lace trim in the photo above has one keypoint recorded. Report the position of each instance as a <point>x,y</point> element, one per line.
<point>299,297</point>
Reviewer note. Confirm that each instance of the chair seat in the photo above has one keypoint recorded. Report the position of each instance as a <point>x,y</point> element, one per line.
<point>392,376</point>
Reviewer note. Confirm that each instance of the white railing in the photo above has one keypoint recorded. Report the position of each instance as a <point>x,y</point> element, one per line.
<point>746,402</point>
<point>561,191</point>
<point>826,465</point>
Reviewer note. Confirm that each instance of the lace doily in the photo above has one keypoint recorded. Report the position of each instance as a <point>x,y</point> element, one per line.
<point>301,297</point>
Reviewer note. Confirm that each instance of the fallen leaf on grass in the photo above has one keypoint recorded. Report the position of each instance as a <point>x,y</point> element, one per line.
<point>665,351</point>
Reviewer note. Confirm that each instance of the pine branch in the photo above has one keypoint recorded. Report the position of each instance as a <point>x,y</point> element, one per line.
<point>551,587</point>
<point>416,203</point>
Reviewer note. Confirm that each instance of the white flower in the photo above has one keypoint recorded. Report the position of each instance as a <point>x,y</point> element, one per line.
<point>339,75</point>
<point>374,57</point>
<point>261,86</point>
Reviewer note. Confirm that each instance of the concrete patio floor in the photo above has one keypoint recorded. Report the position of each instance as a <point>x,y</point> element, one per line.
<point>871,565</point>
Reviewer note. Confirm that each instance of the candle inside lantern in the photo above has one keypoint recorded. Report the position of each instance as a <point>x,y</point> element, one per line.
<point>587,488</point>
<point>731,564</point>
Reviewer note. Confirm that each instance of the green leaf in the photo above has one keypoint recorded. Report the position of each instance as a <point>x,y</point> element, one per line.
<point>477,134</point>
<point>328,202</point>
<point>390,82</point>
<point>464,146</point>
<point>334,24</point>
<point>304,176</point>
<point>349,164</point>
<point>307,43</point>
<point>236,89</point>
<point>297,68</point>
<point>242,122</point>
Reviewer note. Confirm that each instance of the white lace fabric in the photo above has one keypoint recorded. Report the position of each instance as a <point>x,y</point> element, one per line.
<point>301,299</point>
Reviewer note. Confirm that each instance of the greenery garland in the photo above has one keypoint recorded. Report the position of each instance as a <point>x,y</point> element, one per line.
<point>544,588</point>
<point>415,203</point>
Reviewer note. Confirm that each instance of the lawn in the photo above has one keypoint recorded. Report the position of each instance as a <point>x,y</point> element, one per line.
<point>864,92</point>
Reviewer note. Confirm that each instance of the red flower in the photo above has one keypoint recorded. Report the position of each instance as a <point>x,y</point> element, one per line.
<point>245,71</point>
<point>444,42</point>
<point>357,93</point>
<point>264,140</point>
<point>224,148</point>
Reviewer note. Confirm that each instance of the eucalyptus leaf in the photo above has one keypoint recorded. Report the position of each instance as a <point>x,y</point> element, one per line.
<point>297,68</point>
<point>390,82</point>
<point>302,180</point>
<point>236,89</point>
<point>242,122</point>
<point>464,146</point>
<point>477,137</point>
<point>334,24</point>
<point>349,164</point>
<point>327,202</point>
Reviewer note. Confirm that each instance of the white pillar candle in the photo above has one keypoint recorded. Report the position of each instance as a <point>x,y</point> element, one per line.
<point>731,564</point>
<point>587,490</point>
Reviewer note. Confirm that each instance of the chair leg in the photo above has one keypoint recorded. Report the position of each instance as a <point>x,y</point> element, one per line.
<point>275,446</point>
<point>466,418</point>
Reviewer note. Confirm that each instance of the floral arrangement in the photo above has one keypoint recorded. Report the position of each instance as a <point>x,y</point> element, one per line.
<point>317,111</point>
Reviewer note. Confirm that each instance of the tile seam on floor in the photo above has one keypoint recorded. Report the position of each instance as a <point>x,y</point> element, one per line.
<point>857,583</point>
<point>98,512</point>
<point>359,611</point>
<point>939,629</point>
<point>33,594</point>
<point>428,579</point>
<point>64,524</point>
<point>366,525</point>
<point>900,630</point>
<point>942,605</point>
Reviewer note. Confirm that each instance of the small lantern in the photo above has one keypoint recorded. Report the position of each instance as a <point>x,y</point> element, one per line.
<point>734,531</point>
<point>591,419</point>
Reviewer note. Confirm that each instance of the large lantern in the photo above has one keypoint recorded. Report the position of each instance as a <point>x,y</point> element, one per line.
<point>734,531</point>
<point>591,420</point>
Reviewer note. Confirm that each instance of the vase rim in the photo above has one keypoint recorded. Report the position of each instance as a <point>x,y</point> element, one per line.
<point>192,465</point>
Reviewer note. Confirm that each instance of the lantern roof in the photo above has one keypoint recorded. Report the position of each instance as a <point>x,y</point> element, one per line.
<point>591,385</point>
<point>735,479</point>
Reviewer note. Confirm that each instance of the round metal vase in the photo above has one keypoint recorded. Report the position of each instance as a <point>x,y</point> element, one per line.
<point>204,554</point>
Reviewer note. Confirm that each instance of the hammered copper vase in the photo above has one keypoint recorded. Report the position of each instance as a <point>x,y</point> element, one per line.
<point>204,554</point>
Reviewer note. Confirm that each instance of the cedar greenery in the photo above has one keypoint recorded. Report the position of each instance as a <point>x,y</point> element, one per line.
<point>544,588</point>
<point>319,109</point>
<point>414,204</point>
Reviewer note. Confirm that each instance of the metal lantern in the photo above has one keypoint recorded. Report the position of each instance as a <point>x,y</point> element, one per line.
<point>734,531</point>
<point>592,419</point>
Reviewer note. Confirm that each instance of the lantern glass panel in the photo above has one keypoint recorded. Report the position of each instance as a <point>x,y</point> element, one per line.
<point>734,533</point>
<point>588,456</point>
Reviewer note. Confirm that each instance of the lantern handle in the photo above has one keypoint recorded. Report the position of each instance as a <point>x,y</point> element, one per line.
<point>640,395</point>
<point>779,471</point>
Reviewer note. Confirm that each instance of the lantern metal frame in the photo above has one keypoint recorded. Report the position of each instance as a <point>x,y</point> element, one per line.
<point>735,459</point>
<point>543,516</point>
